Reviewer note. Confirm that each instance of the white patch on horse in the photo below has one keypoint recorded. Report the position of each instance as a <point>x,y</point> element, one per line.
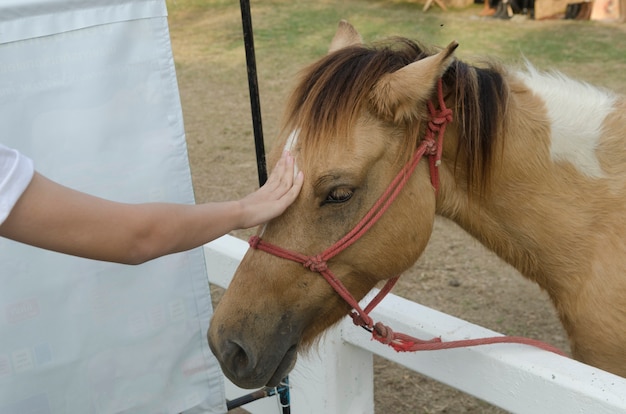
<point>577,112</point>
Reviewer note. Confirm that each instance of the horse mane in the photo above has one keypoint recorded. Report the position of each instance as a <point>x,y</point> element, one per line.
<point>333,92</point>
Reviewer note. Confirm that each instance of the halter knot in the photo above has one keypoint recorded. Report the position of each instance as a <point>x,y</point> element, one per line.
<point>444,116</point>
<point>382,333</point>
<point>431,146</point>
<point>439,118</point>
<point>316,264</point>
<point>362,319</point>
<point>254,241</point>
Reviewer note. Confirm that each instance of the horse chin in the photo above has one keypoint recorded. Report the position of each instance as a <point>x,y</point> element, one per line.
<point>284,367</point>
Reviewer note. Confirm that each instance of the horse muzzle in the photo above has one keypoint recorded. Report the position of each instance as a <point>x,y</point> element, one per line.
<point>252,361</point>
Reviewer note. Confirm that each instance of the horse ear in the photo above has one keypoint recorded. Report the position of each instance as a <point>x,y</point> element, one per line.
<point>396,94</point>
<point>345,36</point>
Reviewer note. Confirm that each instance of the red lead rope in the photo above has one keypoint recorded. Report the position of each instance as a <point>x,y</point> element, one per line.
<point>432,147</point>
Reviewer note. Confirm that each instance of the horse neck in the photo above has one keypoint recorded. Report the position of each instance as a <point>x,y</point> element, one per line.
<point>521,215</point>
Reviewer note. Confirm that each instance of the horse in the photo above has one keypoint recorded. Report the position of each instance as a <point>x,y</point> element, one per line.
<point>530,163</point>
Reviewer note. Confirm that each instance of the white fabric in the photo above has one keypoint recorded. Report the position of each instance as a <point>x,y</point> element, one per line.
<point>94,103</point>
<point>16,171</point>
<point>28,19</point>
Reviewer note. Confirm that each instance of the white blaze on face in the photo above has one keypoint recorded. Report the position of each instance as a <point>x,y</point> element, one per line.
<point>576,111</point>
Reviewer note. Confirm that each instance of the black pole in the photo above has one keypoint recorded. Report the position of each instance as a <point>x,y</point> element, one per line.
<point>253,85</point>
<point>282,391</point>
<point>246,399</point>
<point>284,396</point>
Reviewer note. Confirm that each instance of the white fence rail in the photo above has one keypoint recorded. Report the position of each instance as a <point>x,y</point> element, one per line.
<point>338,378</point>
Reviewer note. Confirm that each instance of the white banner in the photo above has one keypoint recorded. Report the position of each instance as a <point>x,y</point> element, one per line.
<point>88,91</point>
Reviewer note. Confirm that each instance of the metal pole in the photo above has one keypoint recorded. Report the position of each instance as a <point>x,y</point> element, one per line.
<point>284,396</point>
<point>282,391</point>
<point>253,85</point>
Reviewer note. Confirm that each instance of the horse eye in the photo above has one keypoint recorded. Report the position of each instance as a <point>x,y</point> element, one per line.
<point>339,195</point>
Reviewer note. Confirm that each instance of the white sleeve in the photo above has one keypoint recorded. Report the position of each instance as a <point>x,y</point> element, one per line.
<point>16,172</point>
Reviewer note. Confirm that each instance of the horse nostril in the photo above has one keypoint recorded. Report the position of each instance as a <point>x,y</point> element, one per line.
<point>240,361</point>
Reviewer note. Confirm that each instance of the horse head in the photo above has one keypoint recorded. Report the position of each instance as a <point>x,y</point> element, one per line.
<point>355,119</point>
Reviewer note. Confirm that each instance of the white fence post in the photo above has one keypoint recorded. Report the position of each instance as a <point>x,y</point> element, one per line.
<point>518,378</point>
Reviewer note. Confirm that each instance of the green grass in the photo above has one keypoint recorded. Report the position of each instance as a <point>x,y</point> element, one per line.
<point>289,34</point>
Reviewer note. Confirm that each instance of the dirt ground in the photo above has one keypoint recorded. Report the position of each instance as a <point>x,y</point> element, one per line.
<point>455,275</point>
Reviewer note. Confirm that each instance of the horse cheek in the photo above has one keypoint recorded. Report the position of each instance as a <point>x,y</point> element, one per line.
<point>405,231</point>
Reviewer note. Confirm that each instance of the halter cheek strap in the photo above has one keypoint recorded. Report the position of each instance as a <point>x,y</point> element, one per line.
<point>431,146</point>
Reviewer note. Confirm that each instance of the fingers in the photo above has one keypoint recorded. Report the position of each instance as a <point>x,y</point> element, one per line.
<point>295,188</point>
<point>289,169</point>
<point>280,168</point>
<point>273,198</point>
<point>284,176</point>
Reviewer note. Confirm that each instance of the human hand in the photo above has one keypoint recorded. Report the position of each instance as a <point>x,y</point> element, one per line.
<point>272,199</point>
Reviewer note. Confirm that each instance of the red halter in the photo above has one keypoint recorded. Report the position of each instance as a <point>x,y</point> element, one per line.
<point>432,146</point>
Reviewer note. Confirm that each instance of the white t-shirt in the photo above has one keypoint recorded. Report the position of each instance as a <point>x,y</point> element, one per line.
<point>16,172</point>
